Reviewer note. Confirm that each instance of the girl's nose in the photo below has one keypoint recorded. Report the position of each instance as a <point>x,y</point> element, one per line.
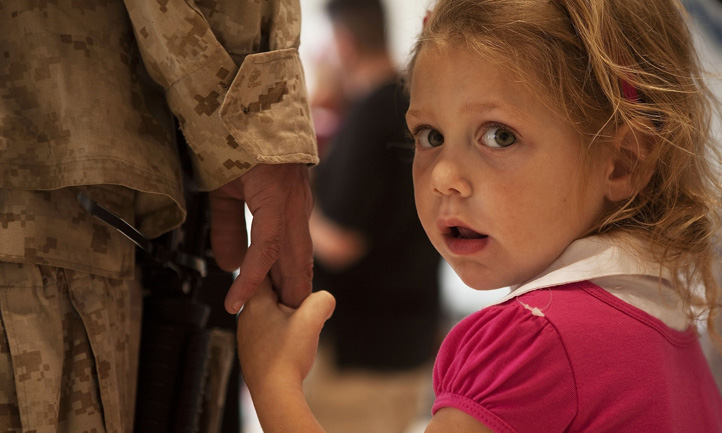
<point>448,178</point>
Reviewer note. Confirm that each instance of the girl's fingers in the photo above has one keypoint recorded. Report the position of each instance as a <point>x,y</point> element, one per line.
<point>315,310</point>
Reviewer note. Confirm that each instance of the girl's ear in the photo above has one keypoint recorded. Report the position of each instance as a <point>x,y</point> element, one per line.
<point>628,170</point>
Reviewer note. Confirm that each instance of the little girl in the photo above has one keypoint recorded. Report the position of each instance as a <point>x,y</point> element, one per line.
<point>562,149</point>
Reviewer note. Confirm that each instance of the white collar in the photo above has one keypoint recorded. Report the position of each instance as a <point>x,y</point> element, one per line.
<point>617,264</point>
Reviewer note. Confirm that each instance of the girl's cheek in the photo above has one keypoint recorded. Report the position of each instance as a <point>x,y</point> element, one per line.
<point>418,171</point>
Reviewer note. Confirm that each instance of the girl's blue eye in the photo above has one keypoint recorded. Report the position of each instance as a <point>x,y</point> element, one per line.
<point>498,137</point>
<point>430,138</point>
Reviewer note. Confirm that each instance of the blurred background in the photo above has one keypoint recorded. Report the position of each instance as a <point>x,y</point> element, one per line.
<point>404,18</point>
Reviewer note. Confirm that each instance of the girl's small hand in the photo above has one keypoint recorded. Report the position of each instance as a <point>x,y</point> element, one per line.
<point>277,344</point>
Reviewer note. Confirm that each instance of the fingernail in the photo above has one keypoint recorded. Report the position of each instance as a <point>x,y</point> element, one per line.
<point>237,307</point>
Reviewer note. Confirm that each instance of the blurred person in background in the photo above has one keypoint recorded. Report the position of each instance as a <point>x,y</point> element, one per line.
<point>329,102</point>
<point>370,249</point>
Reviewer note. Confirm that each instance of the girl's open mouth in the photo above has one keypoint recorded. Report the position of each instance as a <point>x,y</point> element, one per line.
<point>464,241</point>
<point>465,233</point>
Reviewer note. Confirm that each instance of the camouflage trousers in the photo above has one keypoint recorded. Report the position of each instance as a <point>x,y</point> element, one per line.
<point>68,350</point>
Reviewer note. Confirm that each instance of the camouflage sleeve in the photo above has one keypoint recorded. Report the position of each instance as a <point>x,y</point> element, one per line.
<point>232,116</point>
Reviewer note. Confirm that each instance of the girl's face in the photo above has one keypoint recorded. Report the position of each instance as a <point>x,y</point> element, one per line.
<point>496,173</point>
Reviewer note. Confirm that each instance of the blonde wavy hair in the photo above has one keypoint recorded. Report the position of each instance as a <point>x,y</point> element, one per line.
<point>578,55</point>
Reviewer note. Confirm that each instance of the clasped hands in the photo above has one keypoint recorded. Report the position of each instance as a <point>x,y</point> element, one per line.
<point>279,198</point>
<point>279,328</point>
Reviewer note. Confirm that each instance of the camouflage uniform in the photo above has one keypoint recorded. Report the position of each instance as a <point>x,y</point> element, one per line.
<point>87,88</point>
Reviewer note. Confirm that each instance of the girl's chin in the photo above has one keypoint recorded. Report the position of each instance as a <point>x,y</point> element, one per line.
<point>479,276</point>
<point>483,285</point>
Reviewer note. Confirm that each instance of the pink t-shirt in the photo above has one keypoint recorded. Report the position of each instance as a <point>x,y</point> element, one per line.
<point>581,361</point>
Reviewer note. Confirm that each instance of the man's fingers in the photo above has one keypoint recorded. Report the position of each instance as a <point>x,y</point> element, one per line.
<point>294,271</point>
<point>264,295</point>
<point>266,237</point>
<point>228,230</point>
<point>294,291</point>
<point>253,271</point>
<point>279,198</point>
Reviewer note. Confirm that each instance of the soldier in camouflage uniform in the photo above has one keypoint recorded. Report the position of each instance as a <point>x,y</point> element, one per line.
<point>88,89</point>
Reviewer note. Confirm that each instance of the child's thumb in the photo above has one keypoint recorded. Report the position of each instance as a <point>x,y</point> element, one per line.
<point>316,309</point>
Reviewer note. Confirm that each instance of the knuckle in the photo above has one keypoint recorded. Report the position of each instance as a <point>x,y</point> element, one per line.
<point>270,252</point>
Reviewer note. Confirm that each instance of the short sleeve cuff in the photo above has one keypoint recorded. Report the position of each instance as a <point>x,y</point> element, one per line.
<point>472,408</point>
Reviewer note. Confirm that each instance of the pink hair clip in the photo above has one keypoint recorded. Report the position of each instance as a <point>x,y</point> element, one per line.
<point>630,92</point>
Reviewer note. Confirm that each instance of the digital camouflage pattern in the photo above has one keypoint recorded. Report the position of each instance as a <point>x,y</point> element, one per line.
<point>88,89</point>
<point>50,228</point>
<point>69,349</point>
<point>77,106</point>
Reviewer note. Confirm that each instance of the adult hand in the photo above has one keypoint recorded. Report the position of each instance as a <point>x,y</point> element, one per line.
<point>279,198</point>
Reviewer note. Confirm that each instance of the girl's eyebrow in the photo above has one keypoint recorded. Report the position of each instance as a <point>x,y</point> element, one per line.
<point>479,107</point>
<point>484,107</point>
<point>413,113</point>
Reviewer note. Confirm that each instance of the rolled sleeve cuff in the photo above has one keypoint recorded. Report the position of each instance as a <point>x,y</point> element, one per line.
<point>266,109</point>
<point>195,99</point>
<point>263,116</point>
